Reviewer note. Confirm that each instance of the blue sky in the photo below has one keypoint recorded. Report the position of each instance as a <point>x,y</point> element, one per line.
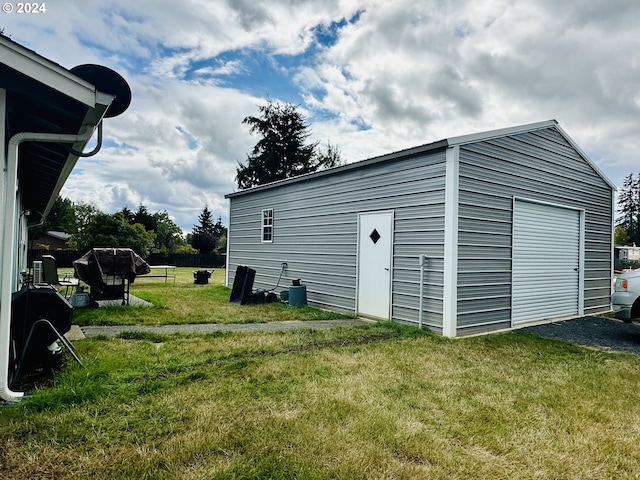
<point>372,77</point>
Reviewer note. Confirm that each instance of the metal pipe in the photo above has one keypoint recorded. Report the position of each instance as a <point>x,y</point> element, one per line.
<point>423,262</point>
<point>9,243</point>
<point>95,150</point>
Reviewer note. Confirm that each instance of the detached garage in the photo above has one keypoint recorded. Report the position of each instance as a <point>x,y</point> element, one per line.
<point>469,234</point>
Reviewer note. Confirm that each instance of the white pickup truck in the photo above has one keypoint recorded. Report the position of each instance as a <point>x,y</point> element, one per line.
<point>625,300</point>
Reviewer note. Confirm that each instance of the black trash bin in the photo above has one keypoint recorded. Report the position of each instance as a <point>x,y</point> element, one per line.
<point>201,277</point>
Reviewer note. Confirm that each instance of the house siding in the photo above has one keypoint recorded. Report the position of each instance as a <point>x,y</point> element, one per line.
<point>539,165</point>
<point>315,233</point>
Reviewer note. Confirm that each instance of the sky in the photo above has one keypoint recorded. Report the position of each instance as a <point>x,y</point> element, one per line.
<point>370,76</point>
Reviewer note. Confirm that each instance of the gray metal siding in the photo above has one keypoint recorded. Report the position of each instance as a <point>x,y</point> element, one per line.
<point>542,166</point>
<point>316,219</point>
<point>315,232</point>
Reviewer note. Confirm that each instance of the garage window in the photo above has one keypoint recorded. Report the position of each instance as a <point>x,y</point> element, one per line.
<point>267,225</point>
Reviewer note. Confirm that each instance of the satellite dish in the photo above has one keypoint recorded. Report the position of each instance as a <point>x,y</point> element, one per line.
<point>107,81</point>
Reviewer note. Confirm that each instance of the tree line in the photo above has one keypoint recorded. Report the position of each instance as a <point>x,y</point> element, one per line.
<point>141,230</point>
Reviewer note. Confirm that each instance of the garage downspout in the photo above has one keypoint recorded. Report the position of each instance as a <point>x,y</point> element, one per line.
<point>9,241</point>
<point>423,263</point>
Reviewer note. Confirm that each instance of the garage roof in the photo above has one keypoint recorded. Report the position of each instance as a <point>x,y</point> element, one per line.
<point>44,97</point>
<point>441,144</point>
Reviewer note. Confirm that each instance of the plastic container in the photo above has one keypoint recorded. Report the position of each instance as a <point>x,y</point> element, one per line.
<point>80,298</point>
<point>297,295</point>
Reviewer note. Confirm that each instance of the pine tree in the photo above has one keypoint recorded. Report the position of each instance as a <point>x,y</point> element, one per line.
<point>629,207</point>
<point>205,237</point>
<point>206,224</point>
<point>281,152</point>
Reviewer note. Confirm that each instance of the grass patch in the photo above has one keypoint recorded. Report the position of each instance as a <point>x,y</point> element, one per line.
<point>374,401</point>
<point>186,302</point>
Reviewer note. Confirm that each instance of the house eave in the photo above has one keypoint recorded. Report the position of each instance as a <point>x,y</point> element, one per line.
<point>47,72</point>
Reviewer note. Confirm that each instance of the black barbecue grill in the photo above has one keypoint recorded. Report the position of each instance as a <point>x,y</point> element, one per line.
<point>110,271</point>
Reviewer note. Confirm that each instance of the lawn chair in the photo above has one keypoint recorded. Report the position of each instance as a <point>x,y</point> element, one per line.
<point>50,275</point>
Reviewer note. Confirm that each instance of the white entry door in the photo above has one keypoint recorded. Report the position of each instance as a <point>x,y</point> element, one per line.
<point>375,244</point>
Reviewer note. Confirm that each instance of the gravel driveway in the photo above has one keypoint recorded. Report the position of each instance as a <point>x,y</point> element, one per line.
<point>596,332</point>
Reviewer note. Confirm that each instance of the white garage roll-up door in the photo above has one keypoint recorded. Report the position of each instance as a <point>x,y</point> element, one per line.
<point>546,279</point>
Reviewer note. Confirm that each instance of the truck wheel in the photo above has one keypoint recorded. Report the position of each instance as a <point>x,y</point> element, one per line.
<point>635,309</point>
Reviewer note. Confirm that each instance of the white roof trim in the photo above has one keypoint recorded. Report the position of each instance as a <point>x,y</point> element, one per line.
<point>502,132</point>
<point>47,72</point>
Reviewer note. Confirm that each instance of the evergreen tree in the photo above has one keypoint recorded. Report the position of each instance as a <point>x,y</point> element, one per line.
<point>281,152</point>
<point>330,157</point>
<point>206,224</point>
<point>629,207</point>
<point>127,214</point>
<point>204,237</point>
<point>144,218</point>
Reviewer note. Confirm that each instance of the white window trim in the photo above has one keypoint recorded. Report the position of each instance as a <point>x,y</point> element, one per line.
<point>262,225</point>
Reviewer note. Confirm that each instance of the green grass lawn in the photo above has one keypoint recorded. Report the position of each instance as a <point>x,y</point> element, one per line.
<point>186,302</point>
<point>371,402</point>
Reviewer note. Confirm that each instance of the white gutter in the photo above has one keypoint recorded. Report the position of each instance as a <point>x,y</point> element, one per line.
<point>9,243</point>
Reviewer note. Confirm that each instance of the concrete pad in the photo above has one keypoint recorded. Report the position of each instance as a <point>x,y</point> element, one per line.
<point>133,301</point>
<point>75,333</point>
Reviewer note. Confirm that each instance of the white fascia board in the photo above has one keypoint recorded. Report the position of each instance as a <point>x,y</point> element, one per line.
<point>47,72</point>
<point>503,132</point>
<point>450,294</point>
<point>91,120</point>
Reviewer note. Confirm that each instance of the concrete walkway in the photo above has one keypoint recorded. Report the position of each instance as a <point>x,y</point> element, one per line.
<point>113,331</point>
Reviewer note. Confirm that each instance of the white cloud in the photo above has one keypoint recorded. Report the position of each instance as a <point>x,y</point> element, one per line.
<point>406,72</point>
<point>460,67</point>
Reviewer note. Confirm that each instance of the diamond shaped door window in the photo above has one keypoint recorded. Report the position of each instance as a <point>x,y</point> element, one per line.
<point>374,236</point>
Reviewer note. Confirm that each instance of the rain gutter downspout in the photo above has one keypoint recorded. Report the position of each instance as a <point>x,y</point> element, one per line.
<point>8,243</point>
<point>423,263</point>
